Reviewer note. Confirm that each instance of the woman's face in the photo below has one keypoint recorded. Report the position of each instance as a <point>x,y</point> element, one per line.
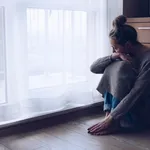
<point>117,47</point>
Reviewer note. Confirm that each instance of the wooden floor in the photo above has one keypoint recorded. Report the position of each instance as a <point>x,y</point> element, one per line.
<point>73,136</point>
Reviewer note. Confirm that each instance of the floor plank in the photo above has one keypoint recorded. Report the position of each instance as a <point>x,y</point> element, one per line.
<point>139,139</point>
<point>21,143</point>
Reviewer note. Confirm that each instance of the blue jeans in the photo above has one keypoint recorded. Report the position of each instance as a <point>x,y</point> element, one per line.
<point>111,103</point>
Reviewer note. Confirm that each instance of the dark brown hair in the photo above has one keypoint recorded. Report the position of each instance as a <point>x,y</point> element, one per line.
<point>122,32</point>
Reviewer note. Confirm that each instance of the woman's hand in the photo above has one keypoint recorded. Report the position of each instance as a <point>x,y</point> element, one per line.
<point>115,56</point>
<point>125,57</point>
<point>107,126</point>
<point>122,56</point>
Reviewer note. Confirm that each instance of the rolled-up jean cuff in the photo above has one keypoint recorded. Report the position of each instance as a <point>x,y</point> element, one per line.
<point>107,107</point>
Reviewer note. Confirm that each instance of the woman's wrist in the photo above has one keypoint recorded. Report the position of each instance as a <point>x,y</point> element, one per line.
<point>115,56</point>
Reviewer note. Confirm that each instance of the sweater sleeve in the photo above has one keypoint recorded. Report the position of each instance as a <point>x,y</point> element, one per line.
<point>100,64</point>
<point>139,91</point>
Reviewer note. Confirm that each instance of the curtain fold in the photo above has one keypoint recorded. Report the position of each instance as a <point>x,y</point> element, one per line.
<point>2,58</point>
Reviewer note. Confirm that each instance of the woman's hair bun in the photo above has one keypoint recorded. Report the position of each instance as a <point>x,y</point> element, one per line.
<point>119,21</point>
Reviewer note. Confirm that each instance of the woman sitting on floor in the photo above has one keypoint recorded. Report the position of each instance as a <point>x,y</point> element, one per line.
<point>125,83</point>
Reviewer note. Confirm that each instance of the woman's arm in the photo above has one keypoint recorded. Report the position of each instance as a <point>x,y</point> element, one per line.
<point>100,64</point>
<point>138,92</point>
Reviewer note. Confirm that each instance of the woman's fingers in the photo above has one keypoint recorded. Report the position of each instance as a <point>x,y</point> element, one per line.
<point>106,132</point>
<point>102,132</point>
<point>98,127</point>
<point>93,126</point>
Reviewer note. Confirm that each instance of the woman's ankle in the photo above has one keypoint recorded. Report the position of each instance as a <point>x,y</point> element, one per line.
<point>107,113</point>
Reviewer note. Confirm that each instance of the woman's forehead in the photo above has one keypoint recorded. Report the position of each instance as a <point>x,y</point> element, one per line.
<point>113,42</point>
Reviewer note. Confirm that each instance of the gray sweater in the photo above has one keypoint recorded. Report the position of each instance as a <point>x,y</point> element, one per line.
<point>118,76</point>
<point>137,100</point>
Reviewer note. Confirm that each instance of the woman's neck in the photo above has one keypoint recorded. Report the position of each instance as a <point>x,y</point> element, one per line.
<point>138,49</point>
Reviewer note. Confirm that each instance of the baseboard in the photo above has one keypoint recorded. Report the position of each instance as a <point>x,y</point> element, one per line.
<point>51,119</point>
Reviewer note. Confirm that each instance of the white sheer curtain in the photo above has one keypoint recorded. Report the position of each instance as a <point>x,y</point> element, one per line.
<point>2,58</point>
<point>50,46</point>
